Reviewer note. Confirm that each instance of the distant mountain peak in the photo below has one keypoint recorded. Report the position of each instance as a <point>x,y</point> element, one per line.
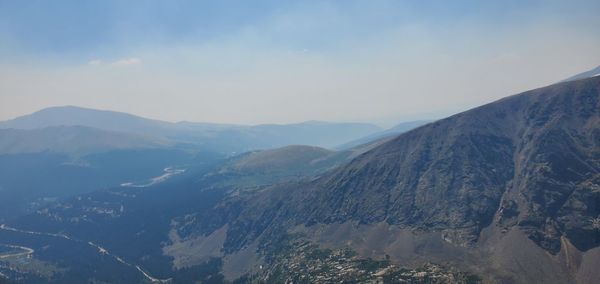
<point>74,108</point>
<point>70,115</point>
<point>587,74</point>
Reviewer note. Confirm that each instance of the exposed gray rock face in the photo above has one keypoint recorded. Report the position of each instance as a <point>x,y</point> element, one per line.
<point>531,160</point>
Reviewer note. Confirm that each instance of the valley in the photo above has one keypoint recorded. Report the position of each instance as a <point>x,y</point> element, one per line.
<point>29,252</point>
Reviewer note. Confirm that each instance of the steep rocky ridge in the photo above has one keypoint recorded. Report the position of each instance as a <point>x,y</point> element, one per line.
<point>527,165</point>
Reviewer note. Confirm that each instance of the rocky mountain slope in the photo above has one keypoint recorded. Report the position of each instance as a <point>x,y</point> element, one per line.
<point>522,173</point>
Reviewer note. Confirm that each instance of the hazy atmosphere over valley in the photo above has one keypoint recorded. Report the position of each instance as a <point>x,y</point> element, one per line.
<point>299,141</point>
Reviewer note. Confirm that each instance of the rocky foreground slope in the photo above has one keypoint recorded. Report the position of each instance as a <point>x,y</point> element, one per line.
<point>509,191</point>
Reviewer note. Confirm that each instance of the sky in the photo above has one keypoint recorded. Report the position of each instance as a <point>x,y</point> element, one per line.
<point>251,62</point>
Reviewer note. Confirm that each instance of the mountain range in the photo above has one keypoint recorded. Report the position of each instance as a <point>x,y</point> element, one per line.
<point>508,192</point>
<point>222,138</point>
<point>41,150</point>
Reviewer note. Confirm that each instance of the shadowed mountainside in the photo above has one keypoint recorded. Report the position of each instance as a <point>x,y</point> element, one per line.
<point>527,164</point>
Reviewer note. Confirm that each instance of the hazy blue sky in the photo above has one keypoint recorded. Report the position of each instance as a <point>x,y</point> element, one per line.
<point>286,61</point>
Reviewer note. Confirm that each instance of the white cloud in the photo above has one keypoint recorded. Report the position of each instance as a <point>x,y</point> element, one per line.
<point>119,63</point>
<point>95,62</point>
<point>127,62</point>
